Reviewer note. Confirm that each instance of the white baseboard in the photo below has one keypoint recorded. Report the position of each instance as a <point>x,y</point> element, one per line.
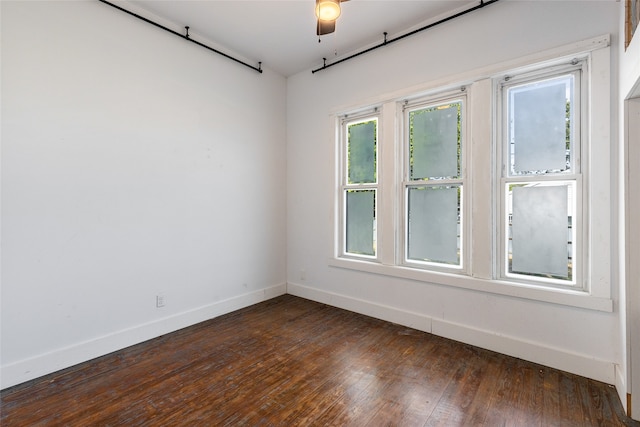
<point>28,369</point>
<point>575,363</point>
<point>378,311</point>
<point>579,364</point>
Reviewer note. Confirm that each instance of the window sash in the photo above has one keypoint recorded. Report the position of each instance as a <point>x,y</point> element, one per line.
<point>551,225</point>
<point>444,234</point>
<point>439,149</point>
<point>362,159</point>
<point>360,223</point>
<point>543,77</point>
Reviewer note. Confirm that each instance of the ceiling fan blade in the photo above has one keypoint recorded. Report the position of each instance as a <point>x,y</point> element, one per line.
<point>325,27</point>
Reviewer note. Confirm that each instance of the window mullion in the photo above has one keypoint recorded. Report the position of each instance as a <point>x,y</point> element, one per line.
<point>480,223</point>
<point>387,185</point>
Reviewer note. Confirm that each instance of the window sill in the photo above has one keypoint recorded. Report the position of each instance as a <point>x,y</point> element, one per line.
<point>568,297</point>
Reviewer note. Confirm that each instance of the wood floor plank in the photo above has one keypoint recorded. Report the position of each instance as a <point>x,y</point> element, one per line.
<point>294,362</point>
<point>453,407</point>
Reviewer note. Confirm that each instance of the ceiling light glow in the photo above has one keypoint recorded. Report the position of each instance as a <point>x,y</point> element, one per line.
<point>327,10</point>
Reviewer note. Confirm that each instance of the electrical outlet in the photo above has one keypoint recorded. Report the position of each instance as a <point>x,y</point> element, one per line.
<point>303,274</point>
<point>160,300</point>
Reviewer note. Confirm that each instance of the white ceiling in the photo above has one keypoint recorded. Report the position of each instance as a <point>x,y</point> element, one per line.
<point>282,33</point>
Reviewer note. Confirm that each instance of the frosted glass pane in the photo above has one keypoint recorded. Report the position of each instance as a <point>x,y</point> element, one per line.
<point>435,142</point>
<point>360,222</point>
<point>539,127</point>
<point>433,224</point>
<point>362,153</point>
<point>539,230</point>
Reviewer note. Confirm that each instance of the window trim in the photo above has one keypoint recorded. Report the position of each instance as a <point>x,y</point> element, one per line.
<point>597,292</point>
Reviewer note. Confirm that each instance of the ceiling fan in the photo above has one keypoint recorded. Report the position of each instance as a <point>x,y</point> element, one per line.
<point>327,12</point>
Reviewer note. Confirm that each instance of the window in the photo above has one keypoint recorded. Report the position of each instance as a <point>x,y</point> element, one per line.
<point>484,184</point>
<point>433,183</point>
<point>360,187</point>
<point>541,180</point>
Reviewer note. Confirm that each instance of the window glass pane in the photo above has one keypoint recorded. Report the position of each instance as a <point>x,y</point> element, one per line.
<point>435,141</point>
<point>362,152</point>
<point>360,222</point>
<point>434,224</point>
<point>541,230</point>
<point>540,126</point>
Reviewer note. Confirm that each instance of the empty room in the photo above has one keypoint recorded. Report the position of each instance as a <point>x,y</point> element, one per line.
<point>320,212</point>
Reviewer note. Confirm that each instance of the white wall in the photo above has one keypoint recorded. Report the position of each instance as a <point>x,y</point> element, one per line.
<point>579,340</point>
<point>133,163</point>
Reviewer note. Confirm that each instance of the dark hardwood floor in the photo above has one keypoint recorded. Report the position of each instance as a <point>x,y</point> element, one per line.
<point>293,362</point>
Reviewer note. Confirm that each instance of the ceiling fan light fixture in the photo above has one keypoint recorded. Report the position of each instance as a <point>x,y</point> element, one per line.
<point>327,10</point>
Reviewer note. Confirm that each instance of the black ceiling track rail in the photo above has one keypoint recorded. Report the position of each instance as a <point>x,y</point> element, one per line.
<point>388,42</point>
<point>184,36</point>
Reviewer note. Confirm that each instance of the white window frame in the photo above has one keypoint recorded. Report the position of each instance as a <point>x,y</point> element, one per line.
<point>482,267</point>
<point>403,243</point>
<point>574,177</point>
<point>345,121</point>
